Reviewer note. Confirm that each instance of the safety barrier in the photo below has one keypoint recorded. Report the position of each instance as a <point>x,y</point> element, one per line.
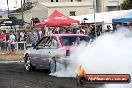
<point>18,46</point>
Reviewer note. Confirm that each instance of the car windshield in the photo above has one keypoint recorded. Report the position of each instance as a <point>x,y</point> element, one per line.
<point>73,40</point>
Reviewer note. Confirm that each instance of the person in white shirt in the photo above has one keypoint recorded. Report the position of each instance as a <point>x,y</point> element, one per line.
<point>12,41</point>
<point>21,36</point>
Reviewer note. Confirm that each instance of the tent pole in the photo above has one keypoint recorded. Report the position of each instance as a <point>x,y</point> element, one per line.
<point>94,5</point>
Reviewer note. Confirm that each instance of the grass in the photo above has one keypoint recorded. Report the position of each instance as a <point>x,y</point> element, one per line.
<point>11,57</point>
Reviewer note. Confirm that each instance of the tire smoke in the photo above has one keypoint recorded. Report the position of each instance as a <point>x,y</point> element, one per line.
<point>110,53</point>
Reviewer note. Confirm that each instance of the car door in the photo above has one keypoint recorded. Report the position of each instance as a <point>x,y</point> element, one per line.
<point>54,49</point>
<point>37,51</point>
<point>44,57</point>
<point>43,53</point>
<point>48,52</point>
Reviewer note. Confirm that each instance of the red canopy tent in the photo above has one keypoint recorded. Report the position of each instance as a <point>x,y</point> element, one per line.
<point>57,19</point>
<point>40,25</point>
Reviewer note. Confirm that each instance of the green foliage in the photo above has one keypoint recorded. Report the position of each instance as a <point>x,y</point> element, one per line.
<point>127,4</point>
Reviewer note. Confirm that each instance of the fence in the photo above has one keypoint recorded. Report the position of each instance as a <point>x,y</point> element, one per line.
<point>18,46</point>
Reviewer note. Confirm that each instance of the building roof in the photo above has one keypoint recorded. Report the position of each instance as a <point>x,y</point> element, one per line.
<point>4,11</point>
<point>55,5</point>
<point>66,4</point>
<point>19,9</point>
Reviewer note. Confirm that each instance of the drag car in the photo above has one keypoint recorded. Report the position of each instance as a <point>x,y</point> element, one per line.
<point>50,49</point>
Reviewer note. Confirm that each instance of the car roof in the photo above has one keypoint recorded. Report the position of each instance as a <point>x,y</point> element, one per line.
<point>58,35</point>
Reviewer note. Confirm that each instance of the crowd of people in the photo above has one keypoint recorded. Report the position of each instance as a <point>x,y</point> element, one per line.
<point>8,41</point>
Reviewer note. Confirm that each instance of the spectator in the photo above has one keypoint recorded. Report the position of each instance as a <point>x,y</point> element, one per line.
<point>21,36</point>
<point>82,30</point>
<point>108,28</point>
<point>75,30</point>
<point>12,41</point>
<point>33,37</point>
<point>61,30</point>
<point>3,40</point>
<point>32,21</point>
<point>3,36</point>
<point>92,33</point>
<point>38,34</point>
<point>37,20</point>
<point>49,31</point>
<point>99,30</point>
<point>0,40</point>
<point>69,31</point>
<point>118,26</point>
<point>55,30</point>
<point>21,39</point>
<point>78,31</point>
<point>43,32</point>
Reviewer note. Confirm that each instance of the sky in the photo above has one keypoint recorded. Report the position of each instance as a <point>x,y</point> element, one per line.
<point>12,4</point>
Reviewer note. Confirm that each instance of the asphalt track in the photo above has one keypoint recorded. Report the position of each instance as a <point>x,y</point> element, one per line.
<point>14,75</point>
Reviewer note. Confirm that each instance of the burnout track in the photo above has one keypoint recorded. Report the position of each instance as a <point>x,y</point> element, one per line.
<point>13,75</point>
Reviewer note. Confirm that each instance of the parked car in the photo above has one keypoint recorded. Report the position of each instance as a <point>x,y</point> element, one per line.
<point>50,49</point>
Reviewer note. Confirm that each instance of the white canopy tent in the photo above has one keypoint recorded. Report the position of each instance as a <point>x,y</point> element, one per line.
<point>105,17</point>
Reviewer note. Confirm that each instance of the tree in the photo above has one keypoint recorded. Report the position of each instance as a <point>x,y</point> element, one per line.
<point>127,4</point>
<point>79,0</point>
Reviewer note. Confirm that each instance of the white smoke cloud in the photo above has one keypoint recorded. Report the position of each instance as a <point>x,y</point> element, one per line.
<point>108,54</point>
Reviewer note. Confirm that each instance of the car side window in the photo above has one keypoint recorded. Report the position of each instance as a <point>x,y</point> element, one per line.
<point>42,42</point>
<point>54,42</point>
<point>49,42</point>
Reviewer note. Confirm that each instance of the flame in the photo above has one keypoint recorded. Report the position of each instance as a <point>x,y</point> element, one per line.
<point>80,71</point>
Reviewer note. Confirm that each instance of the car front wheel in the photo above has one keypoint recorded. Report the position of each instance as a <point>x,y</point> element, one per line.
<point>53,65</point>
<point>28,64</point>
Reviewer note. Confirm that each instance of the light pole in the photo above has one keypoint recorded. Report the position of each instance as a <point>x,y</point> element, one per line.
<point>94,6</point>
<point>22,9</point>
<point>119,5</point>
<point>8,8</point>
<point>22,4</point>
<point>103,6</point>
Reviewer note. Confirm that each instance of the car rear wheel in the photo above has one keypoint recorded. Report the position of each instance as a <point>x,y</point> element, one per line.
<point>28,64</point>
<point>53,65</point>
